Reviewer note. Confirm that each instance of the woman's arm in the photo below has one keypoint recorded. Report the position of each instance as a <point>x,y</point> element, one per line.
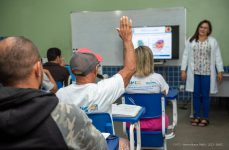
<point>184,63</point>
<point>218,61</point>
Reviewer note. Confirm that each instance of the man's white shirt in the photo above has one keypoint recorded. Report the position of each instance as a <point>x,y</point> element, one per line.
<point>93,96</point>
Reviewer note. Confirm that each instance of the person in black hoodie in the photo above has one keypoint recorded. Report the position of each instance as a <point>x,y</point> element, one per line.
<point>31,118</point>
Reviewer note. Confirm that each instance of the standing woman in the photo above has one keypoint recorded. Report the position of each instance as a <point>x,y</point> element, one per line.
<point>201,65</point>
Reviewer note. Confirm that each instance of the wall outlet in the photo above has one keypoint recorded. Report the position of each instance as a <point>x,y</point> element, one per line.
<point>181,87</point>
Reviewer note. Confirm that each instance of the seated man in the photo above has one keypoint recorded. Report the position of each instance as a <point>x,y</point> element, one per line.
<point>30,118</point>
<point>55,66</point>
<point>85,64</point>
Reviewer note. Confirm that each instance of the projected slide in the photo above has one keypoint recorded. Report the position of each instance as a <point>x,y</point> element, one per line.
<point>159,39</point>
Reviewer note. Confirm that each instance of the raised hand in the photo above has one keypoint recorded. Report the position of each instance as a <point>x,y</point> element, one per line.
<point>125,28</point>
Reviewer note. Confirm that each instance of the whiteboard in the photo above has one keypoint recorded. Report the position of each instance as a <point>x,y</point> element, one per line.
<point>97,30</point>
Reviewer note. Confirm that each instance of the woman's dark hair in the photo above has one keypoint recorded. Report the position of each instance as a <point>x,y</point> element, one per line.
<point>196,35</point>
<point>52,53</point>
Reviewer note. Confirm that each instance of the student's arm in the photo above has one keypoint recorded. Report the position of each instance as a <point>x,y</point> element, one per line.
<point>48,74</point>
<point>164,85</point>
<point>62,62</point>
<point>66,76</point>
<point>125,33</point>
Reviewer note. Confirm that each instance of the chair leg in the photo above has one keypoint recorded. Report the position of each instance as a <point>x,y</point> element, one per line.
<point>137,126</point>
<point>165,145</point>
<point>124,128</point>
<point>173,125</point>
<point>131,130</point>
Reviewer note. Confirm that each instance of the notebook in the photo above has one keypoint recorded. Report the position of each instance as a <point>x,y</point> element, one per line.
<point>125,110</point>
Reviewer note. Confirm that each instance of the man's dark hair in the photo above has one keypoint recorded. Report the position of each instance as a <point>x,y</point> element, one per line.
<point>18,55</point>
<point>52,53</point>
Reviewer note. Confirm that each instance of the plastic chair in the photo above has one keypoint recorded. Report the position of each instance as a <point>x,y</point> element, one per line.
<point>155,107</point>
<point>102,121</point>
<point>72,77</point>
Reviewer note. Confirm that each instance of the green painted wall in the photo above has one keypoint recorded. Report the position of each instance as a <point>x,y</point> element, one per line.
<point>47,22</point>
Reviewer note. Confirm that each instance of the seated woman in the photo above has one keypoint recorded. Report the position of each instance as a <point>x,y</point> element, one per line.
<point>146,80</point>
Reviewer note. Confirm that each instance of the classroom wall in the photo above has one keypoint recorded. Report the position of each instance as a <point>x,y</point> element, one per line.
<point>47,22</point>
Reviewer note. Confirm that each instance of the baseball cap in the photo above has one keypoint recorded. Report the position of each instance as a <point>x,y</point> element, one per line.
<point>84,61</point>
<point>86,50</point>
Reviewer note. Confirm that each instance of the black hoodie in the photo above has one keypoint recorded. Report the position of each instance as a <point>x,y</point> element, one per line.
<point>25,120</point>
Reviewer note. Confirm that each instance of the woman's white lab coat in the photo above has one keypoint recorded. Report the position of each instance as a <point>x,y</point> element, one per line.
<point>188,63</point>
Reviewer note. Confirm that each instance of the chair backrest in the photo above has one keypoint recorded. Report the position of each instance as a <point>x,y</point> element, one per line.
<point>72,76</point>
<point>151,102</point>
<point>102,121</point>
<point>59,84</point>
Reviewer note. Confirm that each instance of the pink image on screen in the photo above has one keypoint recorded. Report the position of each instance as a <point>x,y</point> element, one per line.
<point>159,44</point>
